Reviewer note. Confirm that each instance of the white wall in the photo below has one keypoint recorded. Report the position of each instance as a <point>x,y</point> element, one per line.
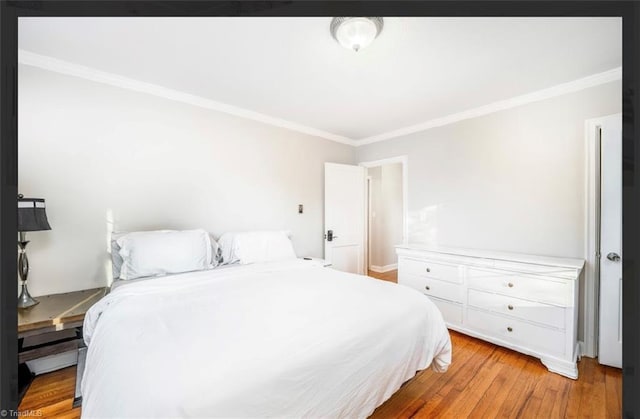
<point>513,180</point>
<point>392,221</point>
<point>386,214</point>
<point>107,158</point>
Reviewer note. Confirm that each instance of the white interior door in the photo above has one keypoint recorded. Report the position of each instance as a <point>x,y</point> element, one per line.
<point>344,216</point>
<point>610,334</point>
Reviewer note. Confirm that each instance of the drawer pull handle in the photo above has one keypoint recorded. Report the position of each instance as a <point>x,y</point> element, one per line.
<point>428,270</point>
<point>510,284</point>
<point>427,288</point>
<point>510,307</point>
<point>510,329</point>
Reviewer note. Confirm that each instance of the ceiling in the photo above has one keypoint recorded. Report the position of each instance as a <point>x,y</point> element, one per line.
<point>418,69</point>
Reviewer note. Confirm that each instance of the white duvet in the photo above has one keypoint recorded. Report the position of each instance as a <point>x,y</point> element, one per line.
<point>287,339</point>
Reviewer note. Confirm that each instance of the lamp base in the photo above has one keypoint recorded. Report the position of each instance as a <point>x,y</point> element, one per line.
<point>26,300</point>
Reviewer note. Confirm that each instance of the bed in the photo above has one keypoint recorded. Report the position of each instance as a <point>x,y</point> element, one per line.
<point>276,339</point>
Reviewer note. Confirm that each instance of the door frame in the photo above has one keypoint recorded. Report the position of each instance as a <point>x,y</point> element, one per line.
<point>591,300</point>
<point>367,230</point>
<point>404,160</point>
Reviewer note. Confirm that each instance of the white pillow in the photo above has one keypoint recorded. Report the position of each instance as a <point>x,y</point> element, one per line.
<point>152,253</point>
<point>256,246</point>
<point>116,259</point>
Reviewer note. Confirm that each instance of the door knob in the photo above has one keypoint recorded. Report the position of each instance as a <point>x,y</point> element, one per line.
<point>613,257</point>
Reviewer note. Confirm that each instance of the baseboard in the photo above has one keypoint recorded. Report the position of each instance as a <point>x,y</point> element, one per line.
<point>562,367</point>
<point>383,269</point>
<point>585,351</point>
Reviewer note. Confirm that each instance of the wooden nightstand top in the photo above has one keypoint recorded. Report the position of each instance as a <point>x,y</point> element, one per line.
<point>58,310</point>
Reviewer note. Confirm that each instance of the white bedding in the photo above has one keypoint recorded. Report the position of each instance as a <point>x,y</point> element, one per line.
<point>281,339</point>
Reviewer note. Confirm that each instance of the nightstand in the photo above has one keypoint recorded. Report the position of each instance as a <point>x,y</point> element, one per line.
<point>318,261</point>
<point>57,322</point>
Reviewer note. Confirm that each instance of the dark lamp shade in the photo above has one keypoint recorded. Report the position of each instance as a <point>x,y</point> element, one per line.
<point>32,215</point>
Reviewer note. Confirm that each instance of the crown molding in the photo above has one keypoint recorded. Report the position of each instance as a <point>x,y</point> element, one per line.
<point>72,69</point>
<point>89,73</point>
<point>558,90</point>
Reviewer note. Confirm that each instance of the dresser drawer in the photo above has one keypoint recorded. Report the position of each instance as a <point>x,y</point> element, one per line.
<point>451,312</point>
<point>546,314</point>
<point>516,331</point>
<point>430,269</point>
<point>521,286</point>
<point>433,287</point>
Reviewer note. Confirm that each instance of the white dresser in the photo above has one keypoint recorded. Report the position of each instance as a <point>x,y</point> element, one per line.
<point>522,302</point>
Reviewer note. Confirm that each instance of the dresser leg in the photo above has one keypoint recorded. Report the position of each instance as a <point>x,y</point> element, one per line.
<point>559,366</point>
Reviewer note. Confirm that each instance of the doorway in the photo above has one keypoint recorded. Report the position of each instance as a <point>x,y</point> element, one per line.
<point>603,326</point>
<point>386,188</point>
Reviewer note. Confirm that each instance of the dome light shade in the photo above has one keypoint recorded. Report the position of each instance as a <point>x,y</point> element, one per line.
<point>356,32</point>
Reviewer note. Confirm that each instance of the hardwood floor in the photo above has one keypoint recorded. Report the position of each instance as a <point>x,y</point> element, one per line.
<point>391,276</point>
<point>51,395</point>
<point>487,381</point>
<point>483,381</point>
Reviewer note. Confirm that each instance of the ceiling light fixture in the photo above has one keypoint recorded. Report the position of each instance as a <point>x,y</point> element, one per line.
<point>356,32</point>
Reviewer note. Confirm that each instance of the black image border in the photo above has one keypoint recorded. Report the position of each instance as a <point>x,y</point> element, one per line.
<point>629,11</point>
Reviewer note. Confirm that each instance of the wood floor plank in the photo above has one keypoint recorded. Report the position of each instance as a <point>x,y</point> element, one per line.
<point>483,381</point>
<point>475,390</point>
<point>613,391</point>
<point>518,396</point>
<point>491,402</point>
<point>392,410</point>
<point>71,414</point>
<point>585,408</point>
<point>452,389</point>
<point>391,276</point>
<point>463,361</point>
<point>576,391</point>
<point>410,409</point>
<point>547,403</point>
<point>598,401</point>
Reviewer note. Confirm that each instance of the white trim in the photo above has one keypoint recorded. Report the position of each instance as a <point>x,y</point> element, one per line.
<point>558,90</point>
<point>77,70</point>
<point>591,276</point>
<point>72,69</point>
<point>405,188</point>
<point>590,308</point>
<point>383,269</point>
<point>367,230</point>
<point>579,350</point>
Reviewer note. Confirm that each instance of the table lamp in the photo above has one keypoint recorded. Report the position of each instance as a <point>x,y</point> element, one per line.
<point>31,217</point>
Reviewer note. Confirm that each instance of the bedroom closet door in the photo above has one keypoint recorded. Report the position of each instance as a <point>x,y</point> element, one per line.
<point>344,216</point>
<point>610,342</point>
